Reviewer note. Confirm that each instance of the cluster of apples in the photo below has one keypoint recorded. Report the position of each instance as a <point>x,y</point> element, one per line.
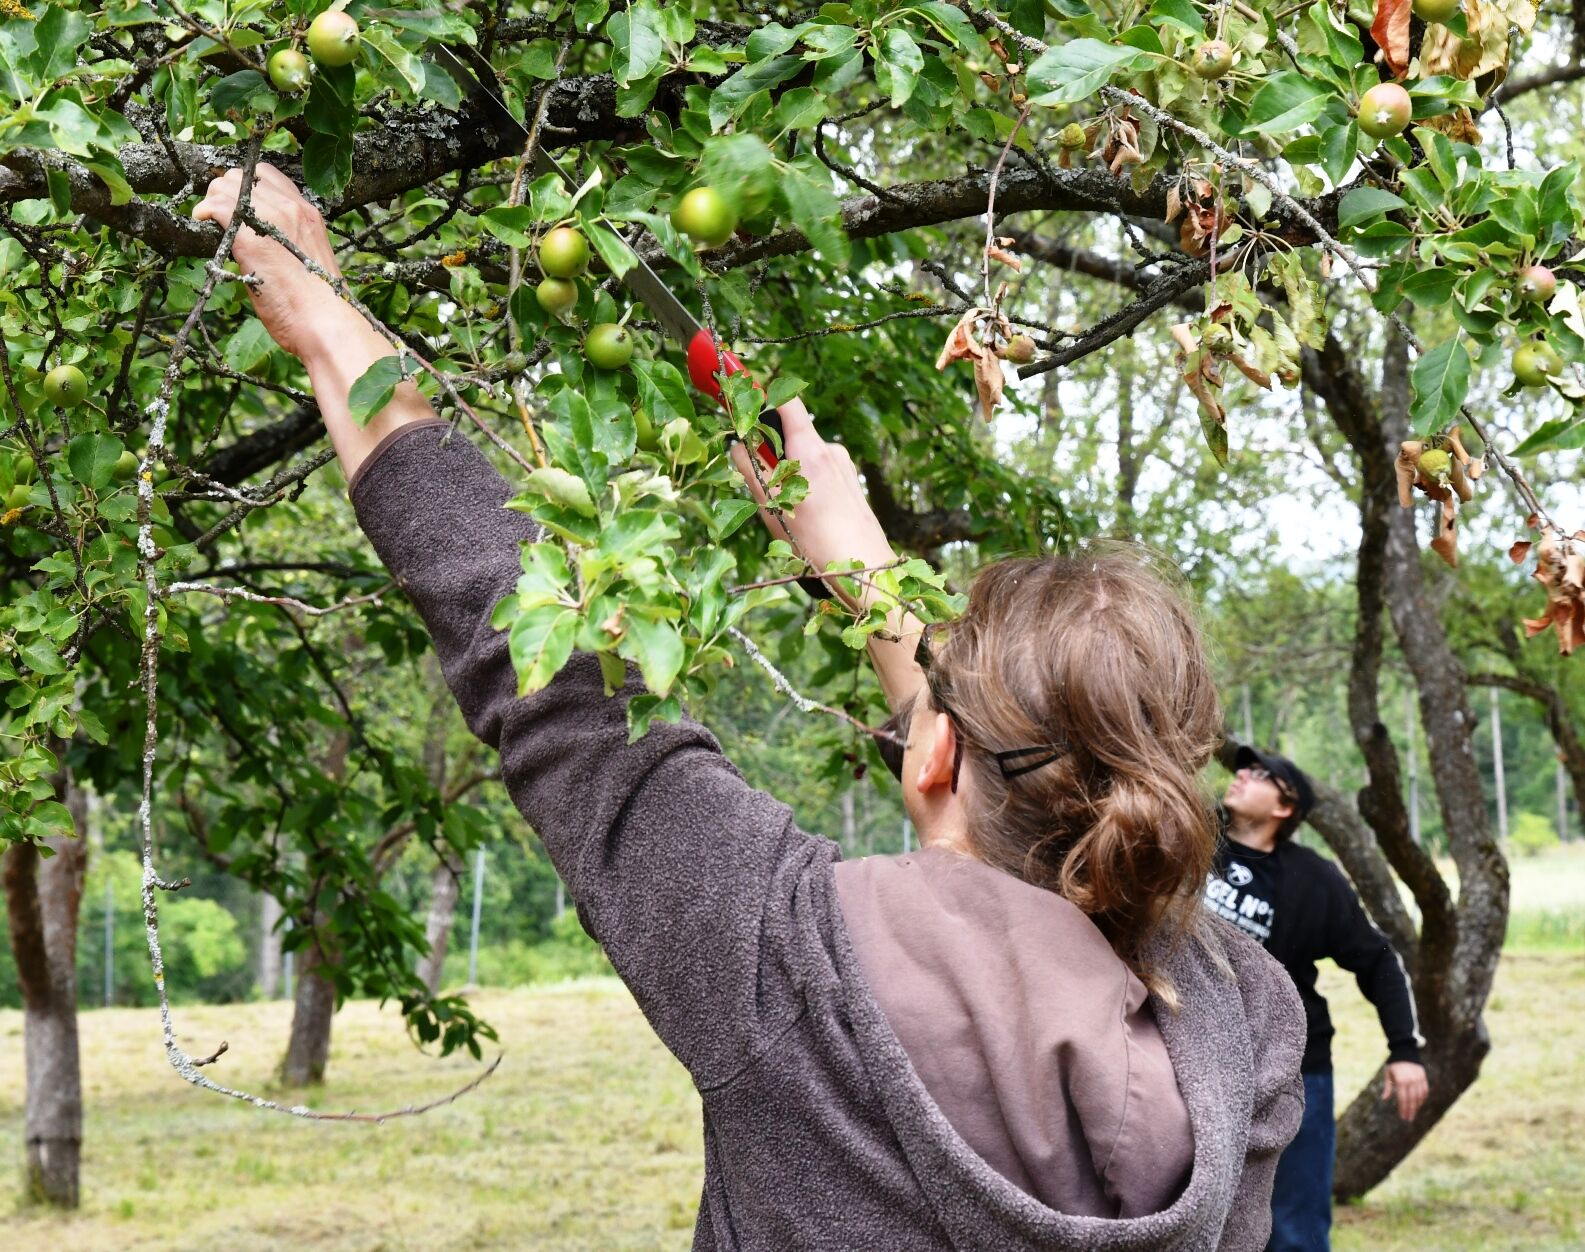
<point>703,215</point>
<point>333,41</point>
<point>1384,111</point>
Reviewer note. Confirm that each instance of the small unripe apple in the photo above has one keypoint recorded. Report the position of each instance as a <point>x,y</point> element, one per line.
<point>1538,283</point>
<point>333,39</point>
<point>705,217</point>
<point>1385,110</point>
<point>1436,463</point>
<point>65,386</point>
<point>1072,136</point>
<point>1211,59</point>
<point>126,466</point>
<point>648,440</point>
<point>1435,10</point>
<point>22,468</point>
<point>608,346</point>
<point>1534,361</point>
<point>290,71</point>
<point>557,295</point>
<point>563,253</point>
<point>1020,350</point>
<point>18,497</point>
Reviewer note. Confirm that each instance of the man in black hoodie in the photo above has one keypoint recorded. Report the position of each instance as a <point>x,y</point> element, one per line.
<point>1302,908</point>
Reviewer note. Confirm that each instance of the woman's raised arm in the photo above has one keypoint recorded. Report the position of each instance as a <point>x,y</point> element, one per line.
<point>834,523</point>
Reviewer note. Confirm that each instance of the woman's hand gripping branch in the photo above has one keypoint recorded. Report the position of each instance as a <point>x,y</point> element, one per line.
<point>303,313</point>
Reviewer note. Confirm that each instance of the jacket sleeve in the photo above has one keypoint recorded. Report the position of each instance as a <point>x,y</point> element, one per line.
<point>1357,946</point>
<point>1275,1017</point>
<point>689,879</point>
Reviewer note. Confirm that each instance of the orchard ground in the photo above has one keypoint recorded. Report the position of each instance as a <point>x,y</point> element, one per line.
<point>588,1137</point>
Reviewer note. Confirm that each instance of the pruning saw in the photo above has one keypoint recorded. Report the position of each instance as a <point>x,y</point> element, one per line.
<point>709,360</point>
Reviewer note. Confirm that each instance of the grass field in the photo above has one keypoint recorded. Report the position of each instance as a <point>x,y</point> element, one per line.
<point>588,1137</point>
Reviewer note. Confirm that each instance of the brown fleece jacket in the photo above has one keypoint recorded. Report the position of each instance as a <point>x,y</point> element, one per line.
<point>723,919</point>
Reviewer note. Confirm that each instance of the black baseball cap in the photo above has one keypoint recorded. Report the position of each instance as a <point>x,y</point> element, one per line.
<point>1290,779</point>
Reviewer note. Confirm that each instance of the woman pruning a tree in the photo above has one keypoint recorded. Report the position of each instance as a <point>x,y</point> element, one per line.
<point>1026,1035</point>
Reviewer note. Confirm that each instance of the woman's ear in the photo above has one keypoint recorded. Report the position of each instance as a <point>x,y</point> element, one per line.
<point>935,769</point>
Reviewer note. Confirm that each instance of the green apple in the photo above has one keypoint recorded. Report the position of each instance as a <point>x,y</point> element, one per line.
<point>563,253</point>
<point>333,39</point>
<point>1020,350</point>
<point>1211,59</point>
<point>557,295</point>
<point>290,71</point>
<point>65,386</point>
<point>608,346</point>
<point>1537,283</point>
<point>1534,361</point>
<point>126,466</point>
<point>705,217</point>
<point>1435,10</point>
<point>19,496</point>
<point>1384,111</point>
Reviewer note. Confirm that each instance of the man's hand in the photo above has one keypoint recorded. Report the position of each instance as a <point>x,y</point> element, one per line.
<point>1406,1080</point>
<point>293,304</point>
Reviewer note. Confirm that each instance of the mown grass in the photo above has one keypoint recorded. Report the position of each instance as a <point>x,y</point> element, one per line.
<point>588,1137</point>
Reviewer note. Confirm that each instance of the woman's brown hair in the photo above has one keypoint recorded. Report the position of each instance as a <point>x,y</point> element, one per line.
<point>1083,693</point>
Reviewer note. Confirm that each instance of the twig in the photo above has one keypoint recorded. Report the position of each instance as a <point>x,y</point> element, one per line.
<point>836,573</point>
<point>254,597</point>
<point>804,703</point>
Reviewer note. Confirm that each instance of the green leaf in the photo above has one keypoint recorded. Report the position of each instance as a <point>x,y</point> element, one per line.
<point>636,44</point>
<point>92,459</point>
<point>732,97</point>
<point>404,62</point>
<point>1364,204</point>
<point>560,487</point>
<point>330,110</point>
<point>374,389</point>
<point>657,648</point>
<point>1072,71</point>
<point>327,164</point>
<point>773,39</point>
<point>1180,13</point>
<point>540,643</point>
<point>1440,379</point>
<point>644,710</point>
<point>730,514</point>
<point>816,211</point>
<point>512,224</point>
<point>248,346</point>
<point>1339,146</point>
<point>60,191</point>
<point>1431,288</point>
<point>1561,433</point>
<point>618,257</point>
<point>903,61</point>
<point>782,389</point>
<point>1286,100</point>
<point>231,94</point>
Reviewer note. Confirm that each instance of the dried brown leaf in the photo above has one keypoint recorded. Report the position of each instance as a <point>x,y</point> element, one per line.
<point>1519,551</point>
<point>961,342</point>
<point>1005,257</point>
<point>988,380</point>
<point>1390,30</point>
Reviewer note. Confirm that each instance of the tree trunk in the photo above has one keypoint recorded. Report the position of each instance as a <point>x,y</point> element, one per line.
<point>314,1005</point>
<point>269,946</point>
<point>1459,944</point>
<point>308,1049</point>
<point>43,898</point>
<point>444,885</point>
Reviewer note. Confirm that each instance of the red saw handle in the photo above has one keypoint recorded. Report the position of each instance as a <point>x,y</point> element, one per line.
<point>708,363</point>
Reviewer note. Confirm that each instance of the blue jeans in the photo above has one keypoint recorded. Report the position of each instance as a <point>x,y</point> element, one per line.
<point>1301,1199</point>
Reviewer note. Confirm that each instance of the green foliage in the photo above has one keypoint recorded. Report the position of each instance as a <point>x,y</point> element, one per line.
<point>1530,834</point>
